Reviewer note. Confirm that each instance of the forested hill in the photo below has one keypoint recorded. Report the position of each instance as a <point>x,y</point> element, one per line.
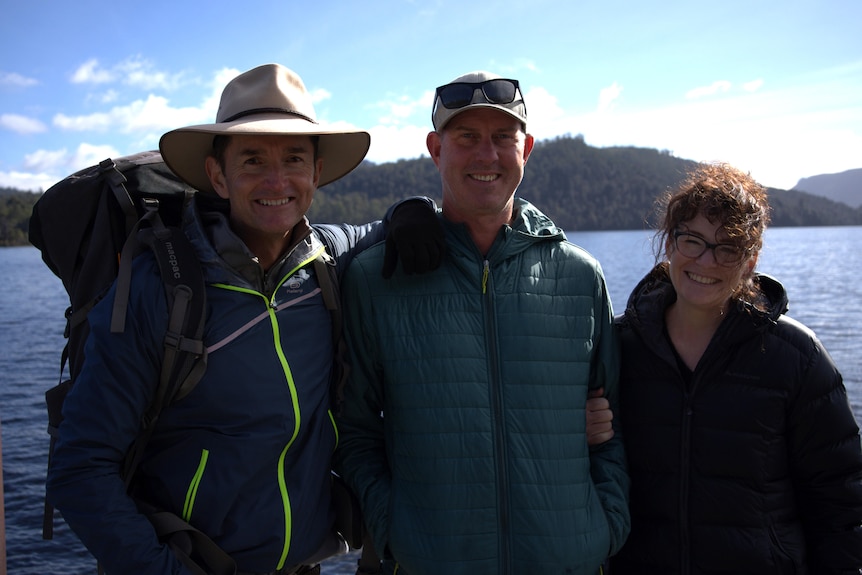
<point>579,186</point>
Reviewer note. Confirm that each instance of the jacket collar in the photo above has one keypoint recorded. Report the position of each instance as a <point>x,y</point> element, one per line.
<point>225,257</point>
<point>528,227</point>
<point>654,293</point>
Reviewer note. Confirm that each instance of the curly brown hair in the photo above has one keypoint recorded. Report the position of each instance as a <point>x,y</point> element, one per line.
<point>725,195</point>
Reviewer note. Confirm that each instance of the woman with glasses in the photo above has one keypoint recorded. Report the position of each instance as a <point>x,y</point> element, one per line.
<point>743,452</point>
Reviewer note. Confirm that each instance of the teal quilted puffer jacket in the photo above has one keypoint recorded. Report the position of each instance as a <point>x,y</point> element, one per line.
<point>463,427</point>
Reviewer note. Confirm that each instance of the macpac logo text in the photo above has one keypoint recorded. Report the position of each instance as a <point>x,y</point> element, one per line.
<point>172,259</point>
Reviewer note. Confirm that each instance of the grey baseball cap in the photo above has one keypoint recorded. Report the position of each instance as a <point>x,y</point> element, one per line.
<point>478,90</point>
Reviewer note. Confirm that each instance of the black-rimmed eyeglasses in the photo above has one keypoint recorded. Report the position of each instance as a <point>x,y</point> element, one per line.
<point>496,91</point>
<point>692,246</point>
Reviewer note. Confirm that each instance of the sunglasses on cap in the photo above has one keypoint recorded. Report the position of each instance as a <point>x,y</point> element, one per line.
<point>460,94</point>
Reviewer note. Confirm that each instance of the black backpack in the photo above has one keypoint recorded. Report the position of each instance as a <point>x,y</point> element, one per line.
<point>89,227</point>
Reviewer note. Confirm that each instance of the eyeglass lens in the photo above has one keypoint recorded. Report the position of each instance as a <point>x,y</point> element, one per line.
<point>460,94</point>
<point>693,247</point>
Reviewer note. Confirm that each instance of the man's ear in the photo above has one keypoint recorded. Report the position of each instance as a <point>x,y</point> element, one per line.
<point>432,142</point>
<point>216,177</point>
<point>528,146</point>
<point>318,169</point>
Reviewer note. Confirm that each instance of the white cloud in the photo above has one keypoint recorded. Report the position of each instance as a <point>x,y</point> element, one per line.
<point>390,142</point>
<point>154,113</point>
<point>209,106</point>
<point>136,72</point>
<point>513,68</point>
<point>98,122</point>
<point>16,80</point>
<point>41,171</point>
<point>44,168</point>
<point>719,86</point>
<point>526,64</point>
<point>399,111</point>
<point>779,136</point>
<point>753,86</point>
<point>140,74</point>
<point>319,95</point>
<point>608,96</point>
<point>47,160</point>
<point>21,124</point>
<point>109,97</point>
<point>149,117</point>
<point>91,73</point>
<point>545,118</point>
<point>27,181</point>
<point>88,155</point>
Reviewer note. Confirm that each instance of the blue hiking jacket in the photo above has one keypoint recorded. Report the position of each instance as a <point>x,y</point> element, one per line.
<point>245,457</point>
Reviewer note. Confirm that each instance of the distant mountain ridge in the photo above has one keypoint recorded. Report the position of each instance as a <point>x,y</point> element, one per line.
<point>580,187</point>
<point>843,187</point>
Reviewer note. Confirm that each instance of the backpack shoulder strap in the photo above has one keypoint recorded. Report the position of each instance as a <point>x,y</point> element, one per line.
<point>327,279</point>
<point>194,549</point>
<point>324,268</point>
<point>185,355</point>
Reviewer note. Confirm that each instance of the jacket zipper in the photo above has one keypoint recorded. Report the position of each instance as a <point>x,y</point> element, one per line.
<point>272,309</point>
<point>685,480</point>
<point>191,493</point>
<point>497,414</point>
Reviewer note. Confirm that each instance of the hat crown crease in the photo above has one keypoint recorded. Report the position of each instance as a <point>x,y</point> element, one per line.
<point>273,88</point>
<point>254,111</point>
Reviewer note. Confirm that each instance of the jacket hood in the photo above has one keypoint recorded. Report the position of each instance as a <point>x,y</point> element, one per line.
<point>774,295</point>
<point>528,226</point>
<point>528,219</point>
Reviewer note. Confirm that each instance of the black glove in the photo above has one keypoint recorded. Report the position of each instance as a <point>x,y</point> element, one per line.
<point>415,235</point>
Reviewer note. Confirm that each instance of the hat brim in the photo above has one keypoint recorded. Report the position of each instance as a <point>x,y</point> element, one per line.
<point>185,149</point>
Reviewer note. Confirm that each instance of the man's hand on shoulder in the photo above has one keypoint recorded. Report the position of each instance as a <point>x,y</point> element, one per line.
<point>414,236</point>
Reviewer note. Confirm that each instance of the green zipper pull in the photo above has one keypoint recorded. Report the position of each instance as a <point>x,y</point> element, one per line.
<point>486,271</point>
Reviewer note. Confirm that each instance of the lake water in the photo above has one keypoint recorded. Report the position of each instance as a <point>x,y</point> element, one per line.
<point>820,267</point>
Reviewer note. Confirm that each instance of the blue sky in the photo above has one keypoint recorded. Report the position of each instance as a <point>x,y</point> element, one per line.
<point>774,87</point>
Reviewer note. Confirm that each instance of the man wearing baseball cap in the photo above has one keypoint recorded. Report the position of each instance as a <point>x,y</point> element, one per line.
<point>245,457</point>
<point>481,370</point>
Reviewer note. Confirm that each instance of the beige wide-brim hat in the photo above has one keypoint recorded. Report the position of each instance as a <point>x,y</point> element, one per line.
<point>267,100</point>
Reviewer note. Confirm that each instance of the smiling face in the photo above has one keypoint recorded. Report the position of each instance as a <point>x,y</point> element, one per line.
<point>701,283</point>
<point>481,155</point>
<point>270,183</point>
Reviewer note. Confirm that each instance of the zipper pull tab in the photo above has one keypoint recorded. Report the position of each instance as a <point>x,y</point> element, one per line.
<point>486,271</point>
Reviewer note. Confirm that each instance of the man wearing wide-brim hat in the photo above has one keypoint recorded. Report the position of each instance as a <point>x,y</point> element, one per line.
<point>245,457</point>
<point>270,118</point>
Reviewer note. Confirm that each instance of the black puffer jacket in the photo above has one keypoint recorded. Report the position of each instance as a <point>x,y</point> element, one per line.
<point>755,466</point>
